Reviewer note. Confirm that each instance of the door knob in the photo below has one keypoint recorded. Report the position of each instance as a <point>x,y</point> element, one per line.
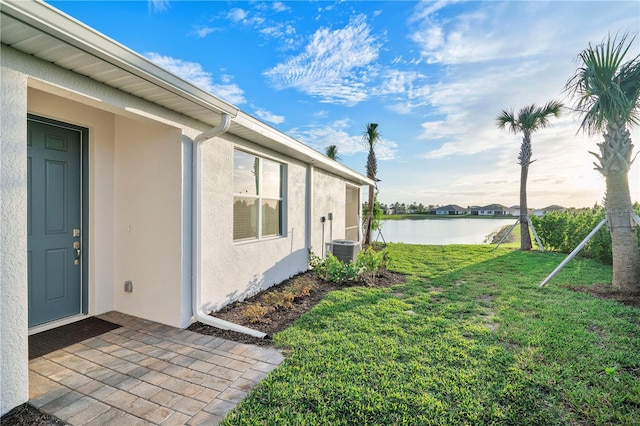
<point>76,246</point>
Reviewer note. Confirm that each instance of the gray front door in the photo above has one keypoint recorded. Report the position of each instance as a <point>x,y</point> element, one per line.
<point>54,223</point>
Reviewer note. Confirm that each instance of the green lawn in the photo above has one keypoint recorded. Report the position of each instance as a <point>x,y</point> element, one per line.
<point>469,339</point>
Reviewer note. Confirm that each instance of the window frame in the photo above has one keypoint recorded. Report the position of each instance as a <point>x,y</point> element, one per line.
<point>259,198</point>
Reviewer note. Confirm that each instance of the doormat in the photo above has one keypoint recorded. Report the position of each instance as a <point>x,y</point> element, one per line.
<point>58,338</point>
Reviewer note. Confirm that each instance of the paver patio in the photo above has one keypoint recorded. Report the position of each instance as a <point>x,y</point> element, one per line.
<point>146,373</point>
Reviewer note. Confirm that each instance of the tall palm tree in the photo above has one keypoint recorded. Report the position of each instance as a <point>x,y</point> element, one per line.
<point>332,152</point>
<point>528,120</point>
<point>370,136</point>
<point>607,92</point>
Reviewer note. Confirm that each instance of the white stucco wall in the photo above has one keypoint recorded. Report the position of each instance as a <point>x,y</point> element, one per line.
<point>233,271</point>
<point>13,240</point>
<point>148,220</point>
<point>328,197</point>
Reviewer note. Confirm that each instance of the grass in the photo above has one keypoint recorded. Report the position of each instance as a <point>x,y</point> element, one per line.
<point>469,339</point>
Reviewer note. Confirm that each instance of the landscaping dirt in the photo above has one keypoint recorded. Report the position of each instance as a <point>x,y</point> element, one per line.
<point>280,318</point>
<point>605,291</point>
<point>28,415</point>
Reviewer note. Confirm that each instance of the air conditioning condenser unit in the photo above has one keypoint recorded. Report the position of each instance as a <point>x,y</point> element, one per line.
<point>345,250</point>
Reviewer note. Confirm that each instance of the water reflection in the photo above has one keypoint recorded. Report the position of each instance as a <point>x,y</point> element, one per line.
<point>440,231</point>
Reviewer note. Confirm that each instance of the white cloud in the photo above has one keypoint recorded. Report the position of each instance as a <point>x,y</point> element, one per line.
<point>269,116</point>
<point>278,6</point>
<point>237,15</point>
<point>241,16</point>
<point>333,66</point>
<point>204,31</point>
<point>336,133</point>
<point>194,73</point>
<point>159,5</point>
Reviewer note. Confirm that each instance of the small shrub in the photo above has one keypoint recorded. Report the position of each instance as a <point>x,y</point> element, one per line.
<point>333,269</point>
<point>564,231</point>
<point>367,264</point>
<point>286,298</point>
<point>254,312</point>
<point>300,288</point>
<point>370,261</point>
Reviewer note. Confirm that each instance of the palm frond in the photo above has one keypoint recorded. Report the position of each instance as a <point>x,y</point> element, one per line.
<point>605,87</point>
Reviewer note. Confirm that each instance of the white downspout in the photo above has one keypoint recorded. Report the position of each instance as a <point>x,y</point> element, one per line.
<point>197,311</point>
<point>309,206</point>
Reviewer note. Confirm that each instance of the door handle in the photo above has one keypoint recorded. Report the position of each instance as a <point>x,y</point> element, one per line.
<point>76,246</point>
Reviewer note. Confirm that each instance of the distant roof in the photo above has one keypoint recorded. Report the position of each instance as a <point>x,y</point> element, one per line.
<point>451,207</point>
<point>553,207</point>
<point>494,207</point>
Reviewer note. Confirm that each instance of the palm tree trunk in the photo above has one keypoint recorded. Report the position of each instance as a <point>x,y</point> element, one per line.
<point>369,220</point>
<point>624,238</point>
<point>525,237</point>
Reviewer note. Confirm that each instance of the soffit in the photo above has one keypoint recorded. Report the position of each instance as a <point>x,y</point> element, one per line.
<point>30,28</point>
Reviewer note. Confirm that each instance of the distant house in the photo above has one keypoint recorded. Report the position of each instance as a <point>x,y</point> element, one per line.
<point>490,210</point>
<point>514,210</point>
<point>551,208</point>
<point>451,209</point>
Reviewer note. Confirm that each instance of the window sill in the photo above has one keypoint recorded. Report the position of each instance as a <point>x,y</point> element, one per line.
<point>258,240</point>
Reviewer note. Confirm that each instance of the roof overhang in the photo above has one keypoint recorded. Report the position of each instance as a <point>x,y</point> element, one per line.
<point>40,30</point>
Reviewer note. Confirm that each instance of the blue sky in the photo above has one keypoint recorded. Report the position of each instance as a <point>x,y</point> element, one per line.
<point>434,76</point>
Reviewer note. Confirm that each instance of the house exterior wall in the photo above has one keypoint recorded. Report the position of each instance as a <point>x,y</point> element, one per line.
<point>235,270</point>
<point>328,197</point>
<point>148,219</point>
<point>13,240</point>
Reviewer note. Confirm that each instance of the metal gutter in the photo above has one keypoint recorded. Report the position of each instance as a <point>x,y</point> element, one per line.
<point>196,208</point>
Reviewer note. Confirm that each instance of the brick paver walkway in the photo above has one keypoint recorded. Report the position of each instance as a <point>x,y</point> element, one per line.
<point>146,373</point>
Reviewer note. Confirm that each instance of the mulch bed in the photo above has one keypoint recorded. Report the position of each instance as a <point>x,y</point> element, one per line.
<point>28,415</point>
<point>280,319</point>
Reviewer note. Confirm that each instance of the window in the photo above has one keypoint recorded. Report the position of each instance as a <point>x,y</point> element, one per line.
<point>352,207</point>
<point>257,197</point>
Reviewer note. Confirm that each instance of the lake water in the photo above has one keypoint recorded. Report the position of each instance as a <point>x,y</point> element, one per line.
<point>440,231</point>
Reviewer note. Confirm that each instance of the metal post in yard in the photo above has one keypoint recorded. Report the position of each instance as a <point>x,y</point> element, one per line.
<point>504,237</point>
<point>573,253</point>
<point>535,234</point>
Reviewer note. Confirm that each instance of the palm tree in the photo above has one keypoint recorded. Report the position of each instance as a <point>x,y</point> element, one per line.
<point>607,91</point>
<point>332,152</point>
<point>371,136</point>
<point>528,120</point>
